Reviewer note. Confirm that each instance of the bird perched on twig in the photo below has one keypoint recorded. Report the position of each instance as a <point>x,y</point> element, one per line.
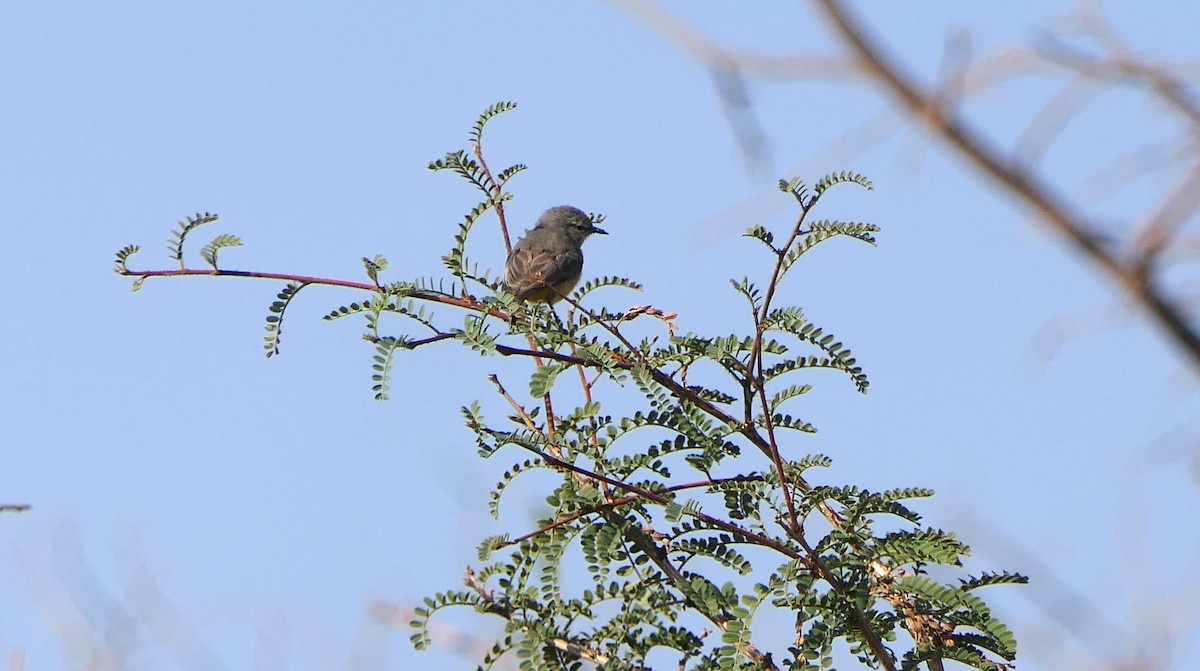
<point>546,263</point>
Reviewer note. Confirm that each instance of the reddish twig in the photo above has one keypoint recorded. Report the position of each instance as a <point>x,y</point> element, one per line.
<point>477,147</point>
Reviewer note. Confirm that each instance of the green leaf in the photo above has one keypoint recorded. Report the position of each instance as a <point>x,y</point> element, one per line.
<point>749,292</point>
<point>716,548</point>
<point>763,235</point>
<point>275,318</point>
<point>922,545</point>
<point>122,255</point>
<point>835,178</point>
<point>798,190</point>
<point>856,230</point>
<point>711,395</point>
<point>209,251</point>
<point>489,545</point>
<point>175,242</point>
<point>488,114</point>
<point>381,364</point>
<point>986,579</point>
<point>781,421</point>
<point>606,281</point>
<point>464,166</point>
<point>510,172</point>
<point>543,378</point>
<point>790,392</point>
<point>673,512</point>
<point>374,267</point>
<point>474,334</point>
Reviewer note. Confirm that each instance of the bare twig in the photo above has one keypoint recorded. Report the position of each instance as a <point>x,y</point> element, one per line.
<point>1055,115</point>
<point>696,45</point>
<point>497,189</point>
<point>1157,229</point>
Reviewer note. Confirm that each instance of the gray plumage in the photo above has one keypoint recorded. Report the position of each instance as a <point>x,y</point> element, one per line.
<point>550,255</point>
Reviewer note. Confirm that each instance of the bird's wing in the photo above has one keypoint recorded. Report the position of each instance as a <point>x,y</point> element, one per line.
<point>530,269</point>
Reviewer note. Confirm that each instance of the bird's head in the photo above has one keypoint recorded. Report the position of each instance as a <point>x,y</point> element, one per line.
<point>572,221</point>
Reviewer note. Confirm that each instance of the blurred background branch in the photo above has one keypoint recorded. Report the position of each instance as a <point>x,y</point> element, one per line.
<point>1084,50</point>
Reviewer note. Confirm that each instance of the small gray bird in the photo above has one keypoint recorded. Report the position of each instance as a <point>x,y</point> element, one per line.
<point>550,255</point>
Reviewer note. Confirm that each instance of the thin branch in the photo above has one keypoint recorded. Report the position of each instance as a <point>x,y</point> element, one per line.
<point>1054,116</point>
<point>714,55</point>
<point>413,344</point>
<point>1145,162</point>
<point>1157,229</point>
<point>287,277</point>
<point>477,147</point>
<point>468,302</point>
<point>759,388</point>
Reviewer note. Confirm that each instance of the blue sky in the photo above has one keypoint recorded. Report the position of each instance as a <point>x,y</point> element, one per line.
<point>270,503</point>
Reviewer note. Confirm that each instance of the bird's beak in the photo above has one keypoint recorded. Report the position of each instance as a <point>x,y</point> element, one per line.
<point>601,231</point>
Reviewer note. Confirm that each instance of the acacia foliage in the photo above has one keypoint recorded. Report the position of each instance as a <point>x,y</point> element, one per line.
<point>675,524</point>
